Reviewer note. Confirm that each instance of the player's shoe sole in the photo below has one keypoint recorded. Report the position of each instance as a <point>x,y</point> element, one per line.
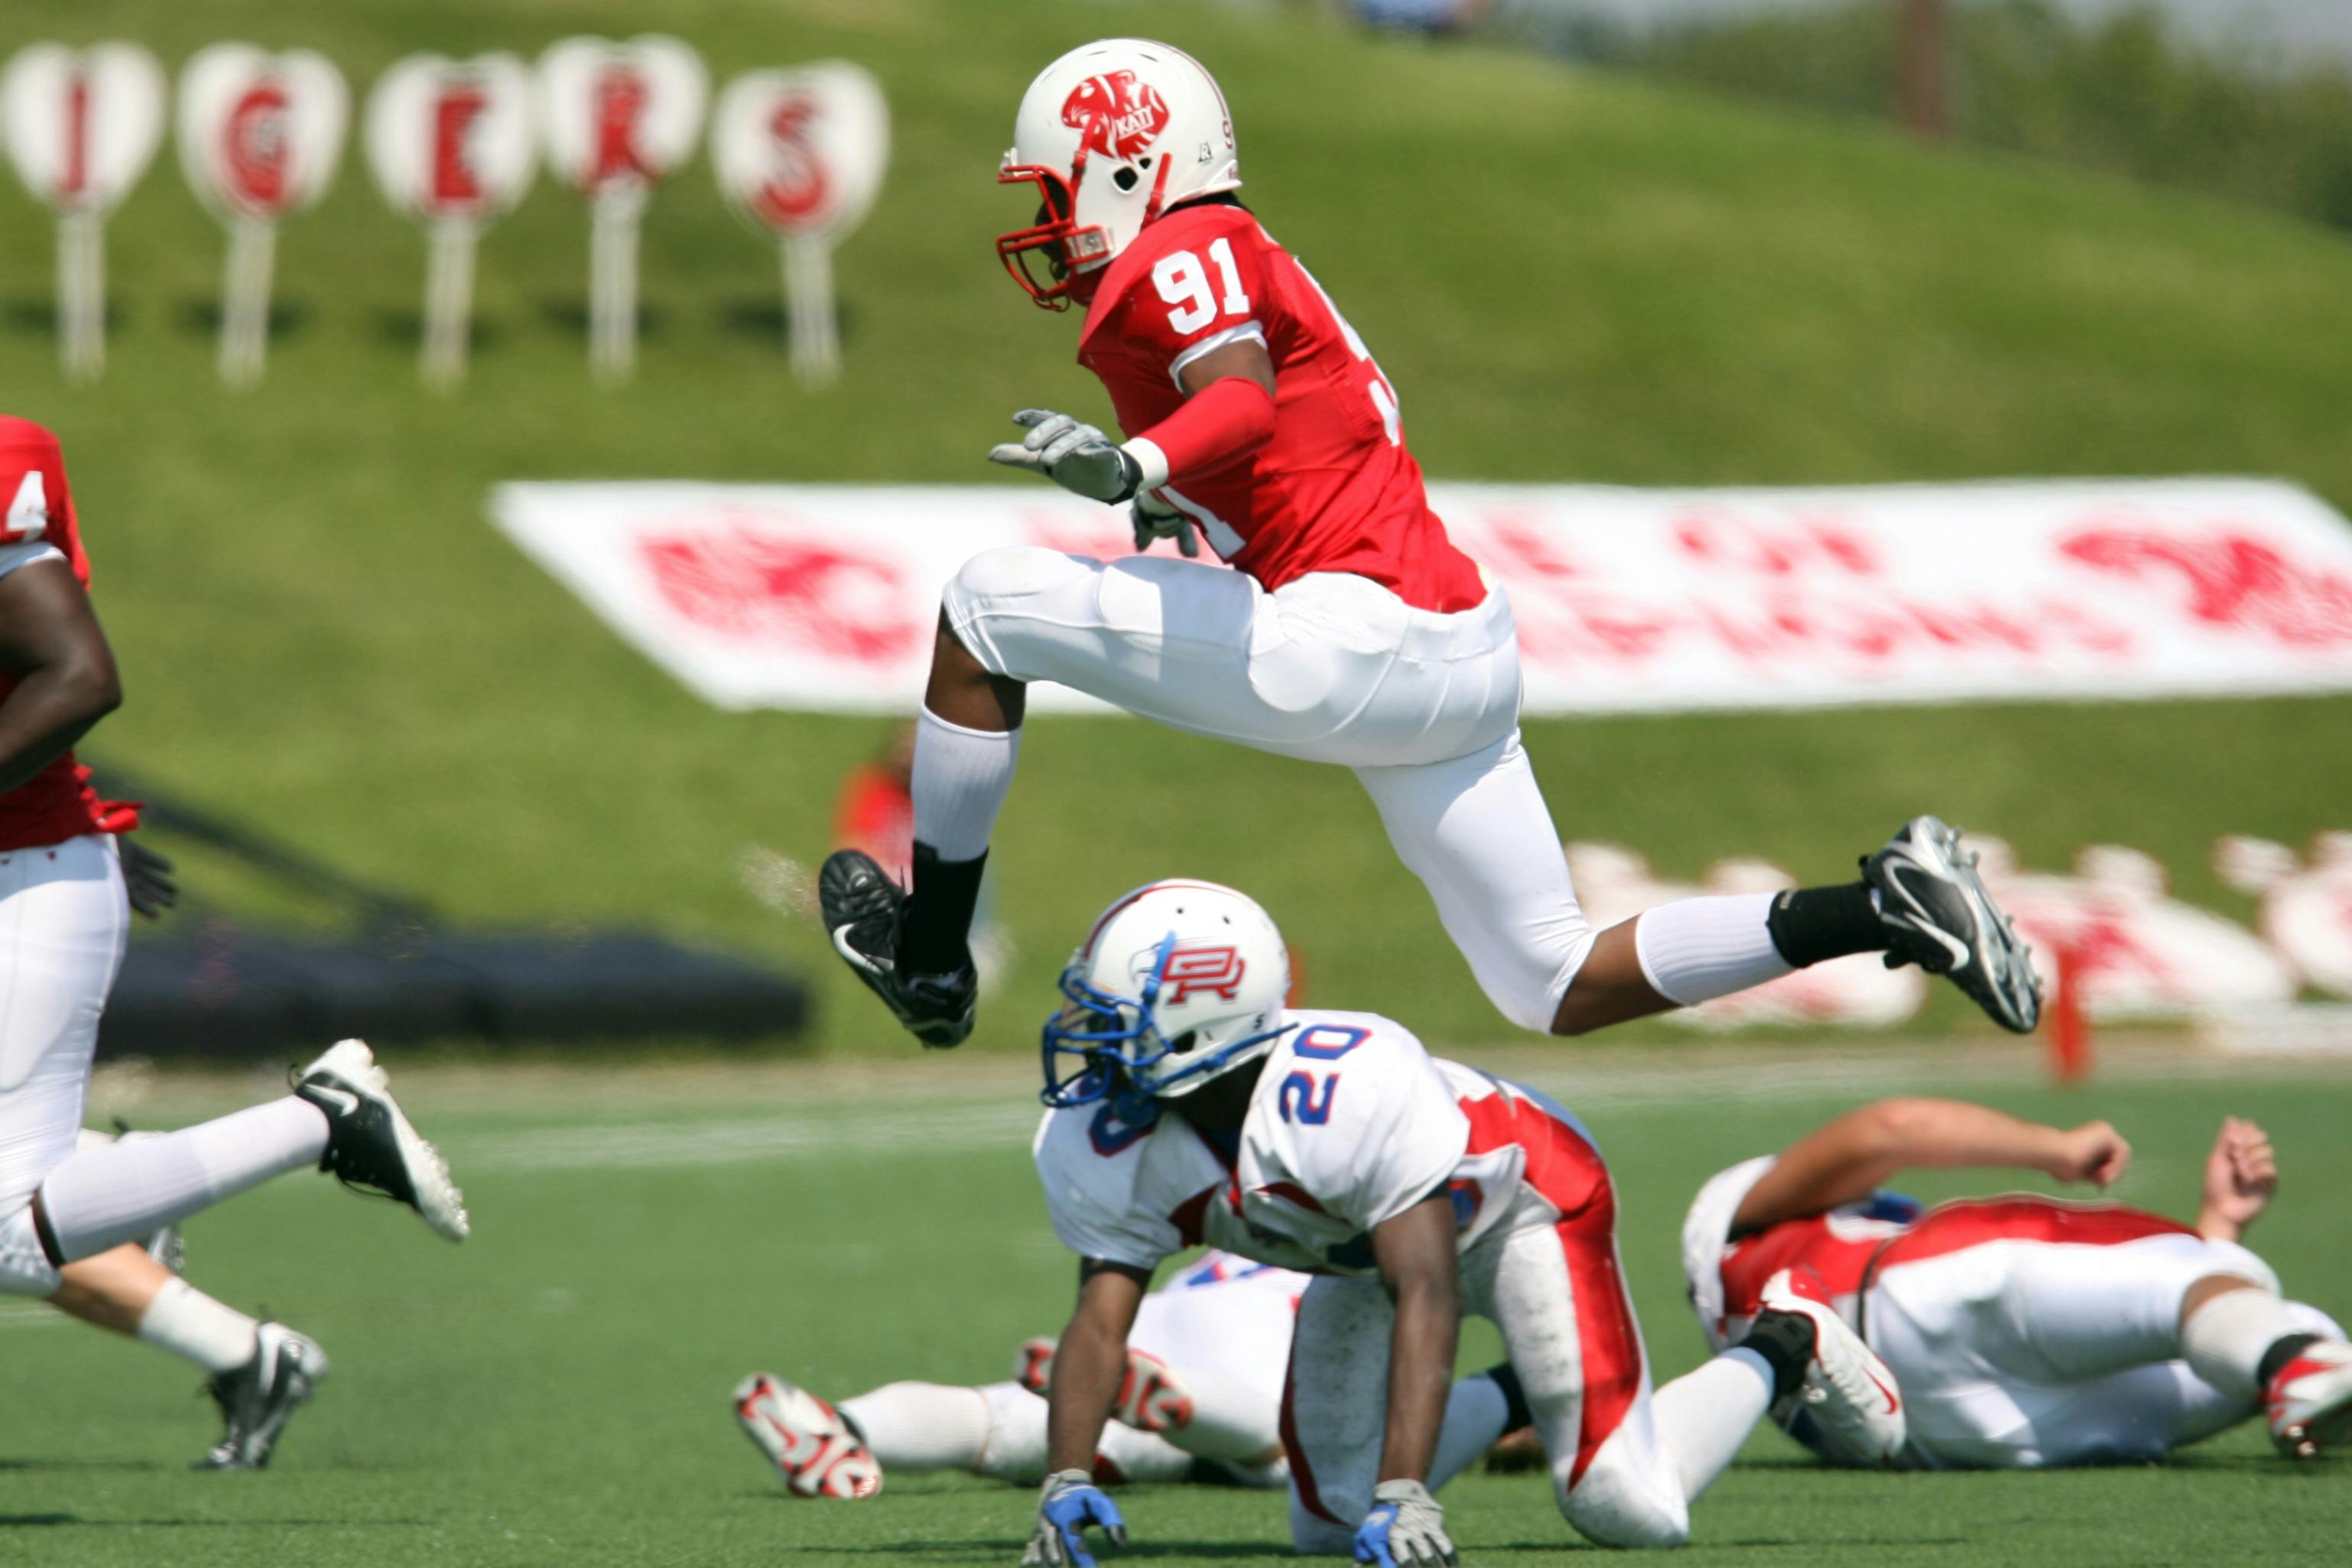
<point>1940,917</point>
<point>371,1145</point>
<point>811,1448</point>
<point>861,909</point>
<point>1847,1388</point>
<point>259,1399</point>
<point>2310,1402</point>
<point>1033,1365</point>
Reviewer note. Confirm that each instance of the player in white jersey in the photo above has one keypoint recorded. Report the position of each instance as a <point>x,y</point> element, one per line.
<point>2028,1331</point>
<point>1199,1109</point>
<point>1201,1399</point>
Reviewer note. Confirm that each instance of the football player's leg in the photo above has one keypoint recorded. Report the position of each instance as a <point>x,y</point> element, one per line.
<point>1211,1380</point>
<point>128,1292</point>
<point>939,1427</point>
<point>101,1197</point>
<point>1335,1409</point>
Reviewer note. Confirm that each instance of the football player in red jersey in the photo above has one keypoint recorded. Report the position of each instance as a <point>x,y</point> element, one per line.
<point>1352,631</point>
<point>2028,1331</point>
<point>68,1204</point>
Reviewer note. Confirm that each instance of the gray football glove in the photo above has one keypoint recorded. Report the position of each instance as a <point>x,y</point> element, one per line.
<point>1078,457</point>
<point>1406,1529</point>
<point>1154,521</point>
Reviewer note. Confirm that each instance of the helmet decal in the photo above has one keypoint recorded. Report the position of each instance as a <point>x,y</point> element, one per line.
<point>1201,971</point>
<point>1116,114</point>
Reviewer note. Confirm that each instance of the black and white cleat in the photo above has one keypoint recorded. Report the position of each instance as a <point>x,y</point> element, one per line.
<point>862,909</point>
<point>369,1144</point>
<point>1940,917</point>
<point>259,1399</point>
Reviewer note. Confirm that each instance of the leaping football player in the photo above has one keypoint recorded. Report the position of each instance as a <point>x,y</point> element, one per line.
<point>65,906</point>
<point>1349,630</point>
<point>1188,1105</point>
<point>2029,1332</point>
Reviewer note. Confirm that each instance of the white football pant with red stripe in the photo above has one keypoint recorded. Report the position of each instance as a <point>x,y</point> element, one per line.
<point>1328,668</point>
<point>1625,1465</point>
<point>2019,1353</point>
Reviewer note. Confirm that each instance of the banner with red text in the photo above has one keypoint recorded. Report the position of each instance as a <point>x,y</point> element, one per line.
<point>826,597</point>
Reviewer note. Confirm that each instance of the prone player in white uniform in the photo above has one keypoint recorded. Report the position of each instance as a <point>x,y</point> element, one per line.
<point>2028,1331</point>
<point>1188,1105</point>
<point>1201,1399</point>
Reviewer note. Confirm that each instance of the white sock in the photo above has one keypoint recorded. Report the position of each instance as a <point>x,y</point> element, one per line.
<point>2224,1340</point>
<point>1476,1416</point>
<point>1232,1420</point>
<point>1705,1415</point>
<point>960,780</point>
<point>1696,949</point>
<point>187,1323</point>
<point>1125,1456</point>
<point>929,1425</point>
<point>102,1198</point>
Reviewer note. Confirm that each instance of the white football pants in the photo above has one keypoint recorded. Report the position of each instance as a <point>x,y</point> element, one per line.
<point>1329,668</point>
<point>1625,1466</point>
<point>2021,1353</point>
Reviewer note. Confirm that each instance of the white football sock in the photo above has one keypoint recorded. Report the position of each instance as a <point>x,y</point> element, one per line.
<point>1013,1448</point>
<point>2224,1340</point>
<point>1476,1416</point>
<point>927,1425</point>
<point>187,1323</point>
<point>1705,1415</point>
<point>1696,949</point>
<point>102,1198</point>
<point>959,779</point>
<point>1231,1420</point>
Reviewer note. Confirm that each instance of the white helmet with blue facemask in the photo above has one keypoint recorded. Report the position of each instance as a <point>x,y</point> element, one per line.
<point>1177,983</point>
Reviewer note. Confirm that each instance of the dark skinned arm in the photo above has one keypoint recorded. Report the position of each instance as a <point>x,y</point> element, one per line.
<point>50,639</point>
<point>1847,1159</point>
<point>1418,1266</point>
<point>1090,1362</point>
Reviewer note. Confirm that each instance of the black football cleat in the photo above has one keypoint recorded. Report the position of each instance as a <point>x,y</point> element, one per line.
<point>369,1144</point>
<point>259,1399</point>
<point>863,910</point>
<point>1940,917</point>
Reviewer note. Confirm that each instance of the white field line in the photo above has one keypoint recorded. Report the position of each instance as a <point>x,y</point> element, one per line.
<point>1005,1121</point>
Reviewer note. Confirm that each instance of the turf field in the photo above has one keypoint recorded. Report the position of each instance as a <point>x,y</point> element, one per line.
<point>1569,276</point>
<point>554,1392</point>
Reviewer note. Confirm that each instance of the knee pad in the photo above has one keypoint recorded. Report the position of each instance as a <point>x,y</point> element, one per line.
<point>1012,571</point>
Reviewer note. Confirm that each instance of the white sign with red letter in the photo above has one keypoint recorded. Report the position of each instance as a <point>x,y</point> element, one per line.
<point>81,126</point>
<point>824,597</point>
<point>453,142</point>
<point>618,118</point>
<point>260,135</point>
<point>800,155</point>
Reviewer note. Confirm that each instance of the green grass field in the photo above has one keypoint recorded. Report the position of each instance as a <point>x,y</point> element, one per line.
<point>554,1392</point>
<point>1571,277</point>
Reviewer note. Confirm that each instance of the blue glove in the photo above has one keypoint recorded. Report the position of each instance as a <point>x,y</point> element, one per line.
<point>1406,1529</point>
<point>1067,1504</point>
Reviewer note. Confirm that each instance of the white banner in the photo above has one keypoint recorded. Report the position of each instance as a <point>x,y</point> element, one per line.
<point>824,597</point>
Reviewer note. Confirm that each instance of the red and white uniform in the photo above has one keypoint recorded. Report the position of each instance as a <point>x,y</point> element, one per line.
<point>1352,1123</point>
<point>1352,631</point>
<point>63,912</point>
<point>2025,1331</point>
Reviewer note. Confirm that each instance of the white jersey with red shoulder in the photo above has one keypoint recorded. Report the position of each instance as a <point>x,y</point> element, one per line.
<point>1853,1246</point>
<point>1352,1122</point>
<point>37,523</point>
<point>1335,488</point>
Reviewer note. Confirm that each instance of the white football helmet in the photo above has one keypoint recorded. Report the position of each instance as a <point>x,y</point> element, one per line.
<point>1112,134</point>
<point>1179,982</point>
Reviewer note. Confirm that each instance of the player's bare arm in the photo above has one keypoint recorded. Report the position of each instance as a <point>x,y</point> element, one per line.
<point>1847,1159</point>
<point>50,639</point>
<point>1419,1267</point>
<point>1087,1367</point>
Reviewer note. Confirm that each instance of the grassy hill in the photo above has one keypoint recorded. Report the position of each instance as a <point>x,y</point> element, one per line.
<point>1568,276</point>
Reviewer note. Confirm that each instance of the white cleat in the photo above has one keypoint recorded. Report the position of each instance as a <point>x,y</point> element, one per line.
<point>1847,1390</point>
<point>1151,1397</point>
<point>806,1439</point>
<point>2310,1400</point>
<point>371,1145</point>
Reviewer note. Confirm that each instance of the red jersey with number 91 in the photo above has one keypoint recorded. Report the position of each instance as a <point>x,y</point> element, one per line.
<point>1334,489</point>
<point>56,803</point>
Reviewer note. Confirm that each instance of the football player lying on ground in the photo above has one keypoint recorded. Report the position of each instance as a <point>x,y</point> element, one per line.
<point>1188,1105</point>
<point>2027,1332</point>
<point>258,1373</point>
<point>1200,1401</point>
<point>65,903</point>
<point>1351,630</point>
